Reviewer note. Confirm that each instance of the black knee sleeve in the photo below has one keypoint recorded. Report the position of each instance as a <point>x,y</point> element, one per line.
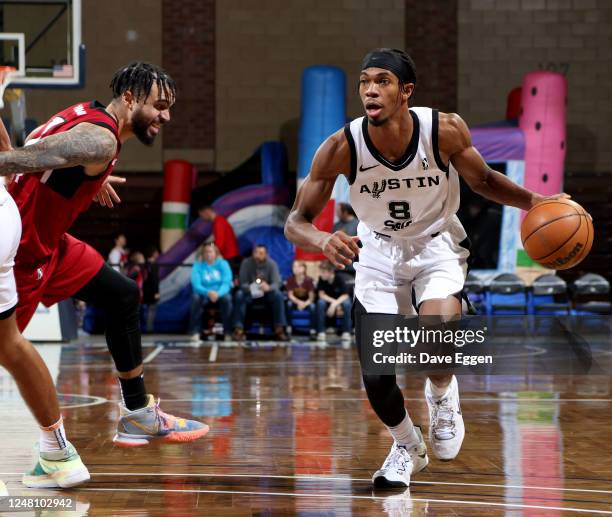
<point>383,392</point>
<point>119,297</point>
<point>385,398</point>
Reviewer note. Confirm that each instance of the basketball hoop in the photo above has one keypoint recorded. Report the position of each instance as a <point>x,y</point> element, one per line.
<point>6,75</point>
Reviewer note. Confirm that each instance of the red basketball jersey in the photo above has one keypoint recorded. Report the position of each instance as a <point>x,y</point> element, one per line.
<point>50,201</point>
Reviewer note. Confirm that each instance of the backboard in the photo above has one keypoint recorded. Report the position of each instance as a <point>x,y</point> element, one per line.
<point>42,40</point>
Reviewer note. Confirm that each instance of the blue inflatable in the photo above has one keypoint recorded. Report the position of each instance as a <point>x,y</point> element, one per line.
<point>323,111</point>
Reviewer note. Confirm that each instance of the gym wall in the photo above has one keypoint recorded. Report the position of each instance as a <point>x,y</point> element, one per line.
<point>114,32</point>
<point>238,64</point>
<point>501,40</point>
<point>262,49</point>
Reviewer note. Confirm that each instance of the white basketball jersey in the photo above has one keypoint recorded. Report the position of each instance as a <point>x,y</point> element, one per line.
<point>416,196</point>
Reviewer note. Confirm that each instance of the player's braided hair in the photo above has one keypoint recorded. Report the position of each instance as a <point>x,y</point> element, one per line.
<point>138,77</point>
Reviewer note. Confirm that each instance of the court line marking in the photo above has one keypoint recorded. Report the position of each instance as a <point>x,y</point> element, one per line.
<point>214,350</point>
<point>96,401</point>
<point>353,399</point>
<point>329,478</point>
<point>345,496</point>
<point>231,364</point>
<point>152,355</point>
<point>102,400</point>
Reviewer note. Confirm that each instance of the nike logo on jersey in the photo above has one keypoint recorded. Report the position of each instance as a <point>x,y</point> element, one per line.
<point>362,168</point>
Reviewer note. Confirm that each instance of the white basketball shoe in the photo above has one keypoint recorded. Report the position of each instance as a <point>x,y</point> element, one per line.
<point>446,429</point>
<point>401,463</point>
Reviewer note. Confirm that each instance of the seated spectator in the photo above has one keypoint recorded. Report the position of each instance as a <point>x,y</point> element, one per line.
<point>259,278</point>
<point>119,254</point>
<point>223,236</point>
<point>347,219</point>
<point>333,301</point>
<point>347,222</point>
<point>135,268</point>
<point>150,290</point>
<point>211,282</point>
<point>301,290</point>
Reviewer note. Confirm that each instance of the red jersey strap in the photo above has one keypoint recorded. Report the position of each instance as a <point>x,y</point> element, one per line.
<point>92,112</point>
<point>96,114</point>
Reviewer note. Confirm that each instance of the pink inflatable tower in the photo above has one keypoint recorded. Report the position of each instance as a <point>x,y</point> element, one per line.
<point>542,119</point>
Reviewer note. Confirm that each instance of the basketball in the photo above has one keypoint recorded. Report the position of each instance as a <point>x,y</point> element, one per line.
<point>557,233</point>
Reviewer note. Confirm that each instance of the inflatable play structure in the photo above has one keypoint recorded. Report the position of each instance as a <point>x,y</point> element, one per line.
<point>323,112</point>
<point>529,146</point>
<point>254,198</point>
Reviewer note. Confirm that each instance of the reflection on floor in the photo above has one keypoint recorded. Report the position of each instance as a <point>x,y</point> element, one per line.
<point>292,433</point>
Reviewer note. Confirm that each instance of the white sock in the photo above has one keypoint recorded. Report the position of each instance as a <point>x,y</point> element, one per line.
<point>437,392</point>
<point>404,433</point>
<point>53,438</point>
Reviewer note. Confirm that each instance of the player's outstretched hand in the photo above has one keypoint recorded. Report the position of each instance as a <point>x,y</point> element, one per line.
<point>341,249</point>
<point>106,195</point>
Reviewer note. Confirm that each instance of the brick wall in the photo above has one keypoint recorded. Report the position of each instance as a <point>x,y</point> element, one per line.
<point>109,46</point>
<point>501,40</point>
<point>189,56</point>
<point>262,49</point>
<point>431,40</point>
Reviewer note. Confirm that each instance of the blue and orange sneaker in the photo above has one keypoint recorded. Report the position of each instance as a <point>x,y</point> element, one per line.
<point>61,469</point>
<point>142,426</point>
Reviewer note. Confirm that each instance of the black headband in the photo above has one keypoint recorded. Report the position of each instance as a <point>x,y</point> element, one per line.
<point>393,60</point>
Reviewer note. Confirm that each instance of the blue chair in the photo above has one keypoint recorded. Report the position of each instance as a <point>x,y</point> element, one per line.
<point>258,319</point>
<point>301,321</point>
<point>591,303</point>
<point>548,296</point>
<point>506,296</point>
<point>475,290</point>
<point>590,295</point>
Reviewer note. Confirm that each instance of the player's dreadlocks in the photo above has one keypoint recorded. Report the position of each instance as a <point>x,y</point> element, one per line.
<point>138,77</point>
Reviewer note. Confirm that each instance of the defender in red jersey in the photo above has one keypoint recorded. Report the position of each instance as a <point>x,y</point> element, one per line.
<point>65,164</point>
<point>59,464</point>
<point>50,201</point>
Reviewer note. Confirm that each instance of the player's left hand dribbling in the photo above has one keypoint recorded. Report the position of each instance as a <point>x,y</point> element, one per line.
<point>341,249</point>
<point>107,194</point>
<point>537,198</point>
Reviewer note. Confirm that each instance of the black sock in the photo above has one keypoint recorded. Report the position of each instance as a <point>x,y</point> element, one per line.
<point>133,392</point>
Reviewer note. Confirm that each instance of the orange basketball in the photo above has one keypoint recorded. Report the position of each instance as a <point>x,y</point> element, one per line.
<point>557,233</point>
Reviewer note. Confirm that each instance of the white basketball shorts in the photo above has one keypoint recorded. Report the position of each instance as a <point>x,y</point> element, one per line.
<point>10,234</point>
<point>390,269</point>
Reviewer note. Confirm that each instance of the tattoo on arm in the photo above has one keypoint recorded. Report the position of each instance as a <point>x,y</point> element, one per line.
<point>85,144</point>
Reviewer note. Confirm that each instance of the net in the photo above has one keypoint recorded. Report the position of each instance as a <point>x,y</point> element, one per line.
<point>6,75</point>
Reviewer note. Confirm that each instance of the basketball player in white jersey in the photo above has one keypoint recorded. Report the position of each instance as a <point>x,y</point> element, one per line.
<point>403,165</point>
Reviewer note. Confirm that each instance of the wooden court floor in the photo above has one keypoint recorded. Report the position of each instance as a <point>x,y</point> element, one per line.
<point>292,433</point>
